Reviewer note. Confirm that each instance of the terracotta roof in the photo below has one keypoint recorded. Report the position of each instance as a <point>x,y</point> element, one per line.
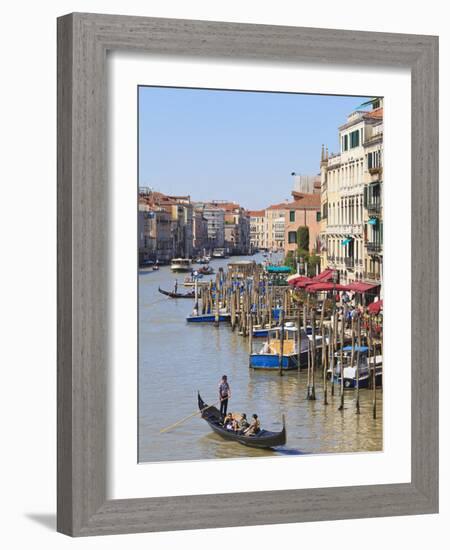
<point>304,200</point>
<point>281,206</point>
<point>227,206</point>
<point>257,213</point>
<point>375,113</point>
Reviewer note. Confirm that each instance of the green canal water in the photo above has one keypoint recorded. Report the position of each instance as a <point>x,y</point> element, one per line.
<point>176,359</point>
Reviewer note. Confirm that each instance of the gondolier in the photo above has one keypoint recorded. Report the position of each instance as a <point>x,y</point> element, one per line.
<point>224,395</point>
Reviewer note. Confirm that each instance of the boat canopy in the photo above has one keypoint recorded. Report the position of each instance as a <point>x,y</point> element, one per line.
<point>357,348</point>
<point>278,269</point>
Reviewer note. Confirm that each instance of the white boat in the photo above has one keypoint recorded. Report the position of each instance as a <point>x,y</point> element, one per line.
<point>181,264</point>
<point>365,369</point>
<point>219,253</point>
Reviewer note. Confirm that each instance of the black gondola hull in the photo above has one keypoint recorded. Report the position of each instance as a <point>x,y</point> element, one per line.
<point>176,294</point>
<point>263,440</point>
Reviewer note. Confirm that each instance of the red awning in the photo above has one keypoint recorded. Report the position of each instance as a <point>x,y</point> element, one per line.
<point>375,307</point>
<point>300,281</point>
<point>303,282</point>
<point>358,286</point>
<point>325,276</point>
<point>325,287</point>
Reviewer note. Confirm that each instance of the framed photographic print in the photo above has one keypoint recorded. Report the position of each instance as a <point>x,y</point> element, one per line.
<point>247,264</point>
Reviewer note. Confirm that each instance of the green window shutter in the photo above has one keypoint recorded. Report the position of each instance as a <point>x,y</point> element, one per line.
<point>292,216</point>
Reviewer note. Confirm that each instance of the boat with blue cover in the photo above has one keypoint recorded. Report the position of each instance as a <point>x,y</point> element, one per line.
<point>223,317</point>
<point>269,355</point>
<point>263,332</point>
<point>364,367</point>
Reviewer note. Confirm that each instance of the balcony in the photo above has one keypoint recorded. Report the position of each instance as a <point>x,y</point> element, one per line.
<point>371,276</point>
<point>345,229</point>
<point>373,205</point>
<point>374,247</point>
<point>349,262</point>
<point>375,170</point>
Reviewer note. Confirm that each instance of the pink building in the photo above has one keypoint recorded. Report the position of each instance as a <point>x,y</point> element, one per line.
<point>303,211</point>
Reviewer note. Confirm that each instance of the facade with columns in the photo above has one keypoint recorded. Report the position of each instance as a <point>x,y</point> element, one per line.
<point>351,199</point>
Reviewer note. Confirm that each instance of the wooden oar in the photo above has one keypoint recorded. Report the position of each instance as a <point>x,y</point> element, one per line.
<point>188,417</point>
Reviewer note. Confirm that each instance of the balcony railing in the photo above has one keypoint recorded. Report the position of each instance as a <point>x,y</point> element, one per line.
<point>349,262</point>
<point>373,205</point>
<point>374,248</point>
<point>371,276</point>
<point>347,229</point>
<point>375,170</point>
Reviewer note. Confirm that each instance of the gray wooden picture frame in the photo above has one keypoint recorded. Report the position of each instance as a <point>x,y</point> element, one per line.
<point>83,42</point>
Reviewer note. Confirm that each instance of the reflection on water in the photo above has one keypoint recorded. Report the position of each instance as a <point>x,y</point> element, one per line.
<point>177,359</point>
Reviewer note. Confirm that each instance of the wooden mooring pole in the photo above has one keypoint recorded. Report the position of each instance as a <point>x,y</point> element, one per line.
<point>341,356</point>
<point>358,352</point>
<point>280,360</point>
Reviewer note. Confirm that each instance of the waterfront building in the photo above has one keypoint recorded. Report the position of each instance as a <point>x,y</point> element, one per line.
<point>169,224</point>
<point>200,231</point>
<point>373,204</point>
<point>154,233</point>
<point>163,235</point>
<point>146,242</point>
<point>275,216</point>
<point>236,228</point>
<point>302,212</point>
<point>350,234</point>
<point>258,229</point>
<point>215,218</point>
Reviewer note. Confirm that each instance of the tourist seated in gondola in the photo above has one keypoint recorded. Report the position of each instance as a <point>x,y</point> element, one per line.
<point>228,422</point>
<point>255,426</point>
<point>243,423</point>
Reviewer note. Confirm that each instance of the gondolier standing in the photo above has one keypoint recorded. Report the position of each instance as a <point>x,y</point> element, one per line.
<point>224,395</point>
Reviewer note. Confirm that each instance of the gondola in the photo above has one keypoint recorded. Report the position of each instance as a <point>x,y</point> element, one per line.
<point>206,270</point>
<point>176,294</point>
<point>263,440</point>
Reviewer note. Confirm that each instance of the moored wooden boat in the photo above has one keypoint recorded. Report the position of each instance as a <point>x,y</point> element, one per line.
<point>206,270</point>
<point>362,377</point>
<point>264,439</point>
<point>176,294</point>
<point>209,318</point>
<point>268,356</point>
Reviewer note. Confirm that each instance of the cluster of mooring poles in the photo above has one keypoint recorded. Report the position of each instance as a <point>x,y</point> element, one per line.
<point>246,297</point>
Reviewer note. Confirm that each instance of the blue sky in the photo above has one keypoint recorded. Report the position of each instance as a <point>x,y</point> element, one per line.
<point>237,146</point>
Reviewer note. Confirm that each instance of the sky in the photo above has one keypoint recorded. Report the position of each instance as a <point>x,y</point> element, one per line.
<point>235,146</point>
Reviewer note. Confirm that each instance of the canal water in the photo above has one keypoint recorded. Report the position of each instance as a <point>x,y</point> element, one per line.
<point>176,359</point>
